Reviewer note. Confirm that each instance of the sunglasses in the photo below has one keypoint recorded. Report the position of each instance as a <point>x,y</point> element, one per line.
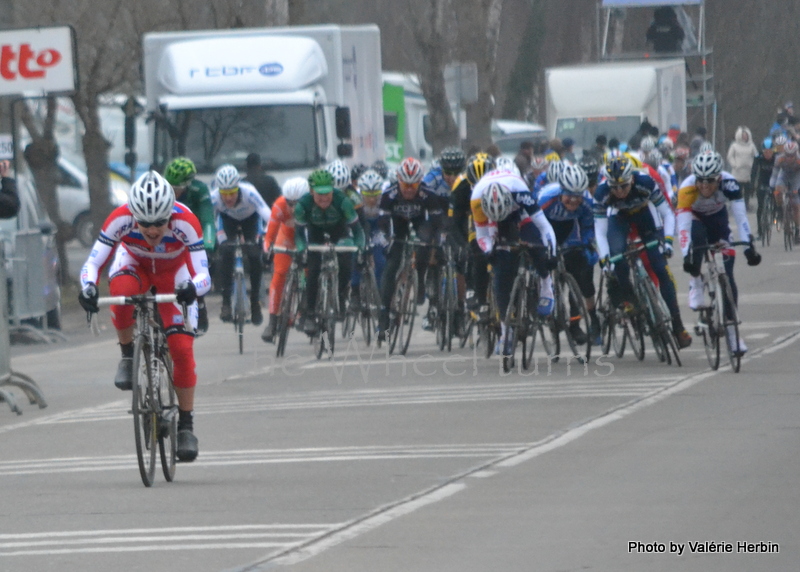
<point>232,191</point>
<point>620,186</point>
<point>160,222</point>
<point>707,180</point>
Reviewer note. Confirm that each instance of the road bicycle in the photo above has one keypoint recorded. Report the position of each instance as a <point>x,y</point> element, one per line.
<point>618,329</point>
<point>154,404</point>
<point>239,299</point>
<point>327,309</point>
<point>720,318</point>
<point>657,320</point>
<point>403,307</point>
<point>768,217</point>
<point>519,320</point>
<point>364,308</point>
<point>447,301</point>
<point>787,221</point>
<point>569,309</point>
<point>290,307</point>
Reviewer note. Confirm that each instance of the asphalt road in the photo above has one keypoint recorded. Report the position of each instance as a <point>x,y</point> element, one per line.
<point>432,462</point>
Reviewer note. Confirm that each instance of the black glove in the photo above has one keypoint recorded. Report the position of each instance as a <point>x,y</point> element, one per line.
<point>688,265</point>
<point>88,298</point>
<point>753,257</point>
<point>185,292</point>
<point>266,258</point>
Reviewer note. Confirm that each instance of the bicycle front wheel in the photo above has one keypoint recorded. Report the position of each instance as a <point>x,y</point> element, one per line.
<point>287,313</point>
<point>168,422</point>
<point>145,417</point>
<point>239,309</point>
<point>730,321</point>
<point>576,305</point>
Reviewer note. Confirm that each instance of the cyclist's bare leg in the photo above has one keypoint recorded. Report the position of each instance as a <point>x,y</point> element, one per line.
<point>185,398</point>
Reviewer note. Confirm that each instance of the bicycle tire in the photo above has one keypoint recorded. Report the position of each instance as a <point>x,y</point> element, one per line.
<point>556,323</point>
<point>365,311</point>
<point>145,418</point>
<point>574,296</point>
<point>519,324</point>
<point>708,331</point>
<point>409,313</point>
<point>322,300</point>
<point>239,309</point>
<point>489,334</point>
<point>788,227</point>
<point>286,313</point>
<point>654,318</point>
<point>726,292</point>
<point>168,430</point>
<point>634,332</point>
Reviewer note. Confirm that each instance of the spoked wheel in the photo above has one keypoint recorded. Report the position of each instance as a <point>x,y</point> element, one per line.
<point>788,229</point>
<point>731,327</point>
<point>576,306</point>
<point>556,322</point>
<point>409,312</point>
<point>287,313</point>
<point>516,326</point>
<point>239,312</point>
<point>145,417</point>
<point>707,328</point>
<point>168,430</point>
<point>634,332</point>
<point>655,321</point>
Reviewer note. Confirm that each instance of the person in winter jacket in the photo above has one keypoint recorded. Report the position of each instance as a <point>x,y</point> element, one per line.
<point>741,155</point>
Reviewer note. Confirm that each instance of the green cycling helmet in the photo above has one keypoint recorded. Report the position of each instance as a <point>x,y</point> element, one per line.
<point>179,171</point>
<point>321,181</point>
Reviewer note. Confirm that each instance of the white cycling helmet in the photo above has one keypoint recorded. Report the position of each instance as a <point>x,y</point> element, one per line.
<point>706,147</point>
<point>151,198</point>
<point>573,180</point>
<point>496,202</point>
<point>654,158</point>
<point>295,188</point>
<point>370,183</point>
<point>647,144</point>
<point>790,148</point>
<point>227,177</point>
<point>340,174</point>
<point>707,165</point>
<point>554,171</point>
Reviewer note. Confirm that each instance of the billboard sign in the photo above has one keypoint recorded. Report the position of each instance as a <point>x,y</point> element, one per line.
<point>38,61</point>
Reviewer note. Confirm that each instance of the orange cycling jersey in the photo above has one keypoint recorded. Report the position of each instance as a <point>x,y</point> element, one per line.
<point>280,231</point>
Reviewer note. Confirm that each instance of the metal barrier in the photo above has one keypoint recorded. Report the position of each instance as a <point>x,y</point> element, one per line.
<point>8,377</point>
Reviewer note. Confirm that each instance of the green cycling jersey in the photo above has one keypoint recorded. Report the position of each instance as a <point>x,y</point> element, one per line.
<point>198,198</point>
<point>310,220</point>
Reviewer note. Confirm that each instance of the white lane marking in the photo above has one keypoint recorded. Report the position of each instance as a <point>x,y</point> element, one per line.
<point>369,522</point>
<point>756,336</point>
<point>267,456</point>
<point>419,395</point>
<point>555,441</point>
<point>277,536</point>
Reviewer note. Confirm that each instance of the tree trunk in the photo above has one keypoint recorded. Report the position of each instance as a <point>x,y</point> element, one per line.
<point>278,12</point>
<point>480,114</point>
<point>444,130</point>
<point>95,151</point>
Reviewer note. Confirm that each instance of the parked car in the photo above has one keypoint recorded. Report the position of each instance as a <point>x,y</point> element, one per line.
<point>73,198</point>
<point>508,135</point>
<point>32,216</point>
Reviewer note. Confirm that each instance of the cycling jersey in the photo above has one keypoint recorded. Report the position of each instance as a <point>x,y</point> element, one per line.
<point>788,179</point>
<point>198,198</point>
<point>643,193</point>
<point>280,231</point>
<point>398,213</point>
<point>183,236</point>
<point>338,220</point>
<point>248,203</point>
<point>570,227</point>
<point>692,205</point>
<point>434,180</point>
<point>526,211</point>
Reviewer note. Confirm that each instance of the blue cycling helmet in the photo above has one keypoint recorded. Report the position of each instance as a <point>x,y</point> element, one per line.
<point>767,144</point>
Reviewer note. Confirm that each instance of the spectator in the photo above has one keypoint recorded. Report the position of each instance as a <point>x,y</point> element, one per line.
<point>665,32</point>
<point>265,184</point>
<point>493,151</point>
<point>741,155</point>
<point>598,152</point>
<point>9,200</point>
<point>568,154</point>
<point>698,139</point>
<point>524,157</point>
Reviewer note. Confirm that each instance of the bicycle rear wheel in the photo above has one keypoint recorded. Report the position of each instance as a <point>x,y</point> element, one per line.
<point>730,321</point>
<point>145,417</point>
<point>654,318</point>
<point>168,429</point>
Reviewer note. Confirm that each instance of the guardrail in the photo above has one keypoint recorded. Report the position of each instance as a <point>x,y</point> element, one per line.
<point>8,377</point>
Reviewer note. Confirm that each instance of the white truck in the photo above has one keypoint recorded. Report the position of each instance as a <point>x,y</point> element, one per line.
<point>298,96</point>
<point>612,99</point>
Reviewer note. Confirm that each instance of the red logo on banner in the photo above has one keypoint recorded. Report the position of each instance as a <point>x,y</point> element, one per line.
<point>30,64</point>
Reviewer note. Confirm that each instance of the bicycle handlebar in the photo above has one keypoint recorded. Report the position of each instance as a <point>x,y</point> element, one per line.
<point>139,299</point>
<point>717,246</point>
<point>331,248</point>
<point>635,250</point>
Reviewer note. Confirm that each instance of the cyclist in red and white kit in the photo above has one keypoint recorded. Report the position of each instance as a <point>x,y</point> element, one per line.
<point>153,241</point>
